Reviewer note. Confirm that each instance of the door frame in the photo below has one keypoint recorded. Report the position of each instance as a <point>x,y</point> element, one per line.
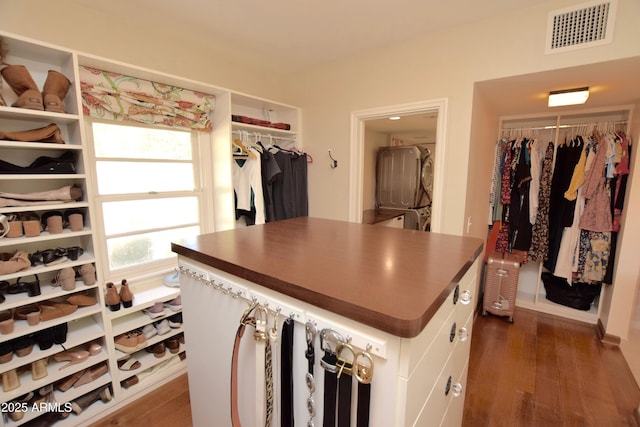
<point>356,166</point>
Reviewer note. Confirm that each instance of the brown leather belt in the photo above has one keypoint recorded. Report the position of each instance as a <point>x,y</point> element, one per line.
<point>244,321</point>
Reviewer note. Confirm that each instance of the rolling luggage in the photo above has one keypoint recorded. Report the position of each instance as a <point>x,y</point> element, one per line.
<point>501,284</point>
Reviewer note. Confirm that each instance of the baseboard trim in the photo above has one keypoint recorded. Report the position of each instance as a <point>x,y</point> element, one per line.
<point>607,338</point>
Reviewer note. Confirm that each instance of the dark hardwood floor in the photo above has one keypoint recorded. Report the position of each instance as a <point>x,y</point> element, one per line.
<point>546,371</point>
<point>540,371</point>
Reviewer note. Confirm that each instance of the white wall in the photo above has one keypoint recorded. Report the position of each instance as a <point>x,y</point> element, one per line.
<point>136,40</point>
<point>444,65</point>
<point>447,65</point>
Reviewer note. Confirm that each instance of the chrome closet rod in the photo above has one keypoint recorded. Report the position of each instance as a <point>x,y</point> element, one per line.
<point>550,127</point>
<point>268,135</point>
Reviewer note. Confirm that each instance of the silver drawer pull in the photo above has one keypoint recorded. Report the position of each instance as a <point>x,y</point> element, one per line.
<point>463,334</point>
<point>465,297</point>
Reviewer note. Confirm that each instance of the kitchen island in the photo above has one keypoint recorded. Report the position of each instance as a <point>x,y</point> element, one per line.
<point>402,296</point>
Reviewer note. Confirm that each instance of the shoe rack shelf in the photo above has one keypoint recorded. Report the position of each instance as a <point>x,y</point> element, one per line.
<point>169,366</point>
<point>82,330</point>
<point>123,320</point>
<point>85,324</point>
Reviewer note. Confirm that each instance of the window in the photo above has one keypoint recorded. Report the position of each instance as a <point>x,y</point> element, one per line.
<point>147,193</point>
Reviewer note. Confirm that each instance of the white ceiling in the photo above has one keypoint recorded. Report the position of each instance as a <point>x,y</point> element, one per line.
<point>298,34</point>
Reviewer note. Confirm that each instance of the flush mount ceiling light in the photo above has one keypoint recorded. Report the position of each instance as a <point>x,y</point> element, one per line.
<point>394,118</point>
<point>559,98</point>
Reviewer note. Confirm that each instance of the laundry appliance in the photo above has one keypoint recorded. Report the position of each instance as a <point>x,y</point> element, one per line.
<point>404,181</point>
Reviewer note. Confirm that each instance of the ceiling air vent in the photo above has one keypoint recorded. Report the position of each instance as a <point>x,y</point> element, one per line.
<point>580,26</point>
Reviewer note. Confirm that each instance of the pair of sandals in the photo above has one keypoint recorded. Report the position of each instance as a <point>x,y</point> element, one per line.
<point>55,256</point>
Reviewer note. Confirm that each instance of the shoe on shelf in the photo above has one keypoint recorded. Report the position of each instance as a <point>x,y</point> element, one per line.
<point>112,297</point>
<point>10,380</point>
<point>12,263</point>
<point>68,382</point>
<point>173,344</point>
<point>82,300</point>
<point>140,337</point>
<point>163,327</point>
<point>71,356</point>
<point>175,304</point>
<point>87,273</point>
<point>53,310</point>
<point>39,369</point>
<point>172,280</point>
<point>156,310</point>
<point>83,402</point>
<point>127,342</point>
<point>91,374</point>
<point>66,278</point>
<point>129,363</point>
<point>129,382</point>
<point>175,321</point>
<point>158,349</point>
<point>149,331</point>
<point>126,296</point>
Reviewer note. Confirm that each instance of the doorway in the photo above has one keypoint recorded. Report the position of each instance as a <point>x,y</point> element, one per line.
<point>362,167</point>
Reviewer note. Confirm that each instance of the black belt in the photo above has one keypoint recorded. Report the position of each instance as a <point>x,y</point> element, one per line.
<point>286,375</point>
<point>345,371</point>
<point>330,388</point>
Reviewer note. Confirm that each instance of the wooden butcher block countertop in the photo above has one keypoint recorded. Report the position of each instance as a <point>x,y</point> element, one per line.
<point>391,279</point>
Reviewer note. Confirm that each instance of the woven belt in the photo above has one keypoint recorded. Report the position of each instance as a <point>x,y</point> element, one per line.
<point>310,333</point>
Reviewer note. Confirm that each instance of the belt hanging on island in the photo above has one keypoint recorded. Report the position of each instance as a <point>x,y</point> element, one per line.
<point>244,321</point>
<point>310,333</point>
<point>329,340</point>
<point>363,372</point>
<point>344,367</point>
<point>286,374</point>
<point>264,368</point>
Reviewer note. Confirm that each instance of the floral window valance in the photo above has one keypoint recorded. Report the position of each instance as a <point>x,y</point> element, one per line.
<point>108,95</point>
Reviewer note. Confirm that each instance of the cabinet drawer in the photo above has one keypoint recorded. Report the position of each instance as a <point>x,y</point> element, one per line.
<point>413,351</point>
<point>444,390</point>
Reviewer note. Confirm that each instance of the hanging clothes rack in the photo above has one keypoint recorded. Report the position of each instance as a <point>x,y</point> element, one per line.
<point>258,136</point>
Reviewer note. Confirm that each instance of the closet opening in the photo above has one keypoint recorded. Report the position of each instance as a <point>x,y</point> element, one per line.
<point>417,133</point>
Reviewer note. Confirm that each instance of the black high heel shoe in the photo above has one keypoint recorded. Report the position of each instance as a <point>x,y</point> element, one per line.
<point>31,288</point>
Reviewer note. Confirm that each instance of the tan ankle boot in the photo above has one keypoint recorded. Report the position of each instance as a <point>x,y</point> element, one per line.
<point>19,79</point>
<point>112,299</point>
<point>55,89</point>
<point>126,296</point>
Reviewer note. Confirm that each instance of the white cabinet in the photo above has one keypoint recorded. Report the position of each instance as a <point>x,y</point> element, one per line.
<point>417,381</point>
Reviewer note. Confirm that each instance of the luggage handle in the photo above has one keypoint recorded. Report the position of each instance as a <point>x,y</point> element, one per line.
<point>502,272</point>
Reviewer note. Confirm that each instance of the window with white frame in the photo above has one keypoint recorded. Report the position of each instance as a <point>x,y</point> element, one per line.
<point>148,193</point>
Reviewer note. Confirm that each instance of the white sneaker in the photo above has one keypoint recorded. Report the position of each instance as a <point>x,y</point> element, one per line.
<point>175,304</point>
<point>172,280</point>
<point>156,310</point>
<point>149,331</point>
<point>163,327</point>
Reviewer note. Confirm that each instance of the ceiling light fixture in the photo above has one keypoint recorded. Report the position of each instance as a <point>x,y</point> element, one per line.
<point>559,98</point>
<point>394,118</point>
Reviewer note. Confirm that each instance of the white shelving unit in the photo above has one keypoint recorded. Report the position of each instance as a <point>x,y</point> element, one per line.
<point>98,323</point>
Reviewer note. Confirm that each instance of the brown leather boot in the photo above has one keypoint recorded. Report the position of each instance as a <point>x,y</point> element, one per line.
<point>49,133</point>
<point>55,89</point>
<point>19,79</point>
<point>126,296</point>
<point>112,299</point>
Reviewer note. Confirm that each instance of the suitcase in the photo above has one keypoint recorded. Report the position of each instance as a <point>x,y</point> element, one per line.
<point>501,284</point>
